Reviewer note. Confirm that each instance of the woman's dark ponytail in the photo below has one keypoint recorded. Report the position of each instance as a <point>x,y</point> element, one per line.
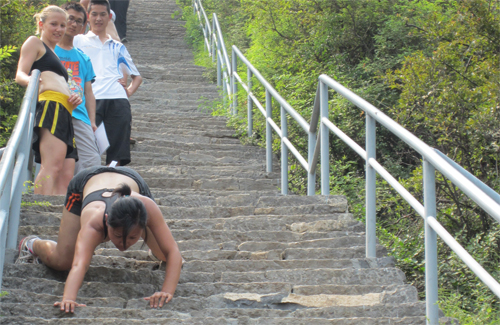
<point>123,189</point>
<point>127,212</point>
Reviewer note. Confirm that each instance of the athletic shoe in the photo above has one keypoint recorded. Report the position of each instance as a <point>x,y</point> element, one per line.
<point>124,40</point>
<point>158,261</point>
<point>26,256</point>
<point>155,259</point>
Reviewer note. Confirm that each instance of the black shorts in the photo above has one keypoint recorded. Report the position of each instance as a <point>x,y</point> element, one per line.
<point>74,195</point>
<point>55,117</point>
<point>117,117</point>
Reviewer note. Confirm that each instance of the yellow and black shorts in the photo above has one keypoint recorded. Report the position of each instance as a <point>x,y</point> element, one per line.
<point>53,112</point>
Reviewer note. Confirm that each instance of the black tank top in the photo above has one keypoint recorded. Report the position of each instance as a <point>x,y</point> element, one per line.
<point>50,62</point>
<point>108,201</point>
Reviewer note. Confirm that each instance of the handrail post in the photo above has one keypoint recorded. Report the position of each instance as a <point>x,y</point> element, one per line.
<point>23,155</point>
<point>311,177</point>
<point>371,177</point>
<point>204,33</point>
<point>234,85</point>
<point>284,153</point>
<point>325,133</point>
<point>4,221</point>
<point>214,40</point>
<point>219,77</point>
<point>269,135</point>
<point>205,27</point>
<point>225,91</point>
<point>15,205</point>
<point>431,267</point>
<point>250,103</point>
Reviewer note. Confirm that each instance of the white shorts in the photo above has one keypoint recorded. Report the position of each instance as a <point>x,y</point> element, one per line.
<point>88,154</point>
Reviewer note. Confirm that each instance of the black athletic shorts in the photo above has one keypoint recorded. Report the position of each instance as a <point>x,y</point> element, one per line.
<point>117,117</point>
<point>55,117</point>
<point>74,195</point>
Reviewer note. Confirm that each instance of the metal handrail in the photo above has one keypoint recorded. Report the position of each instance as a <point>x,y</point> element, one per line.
<point>207,31</point>
<point>14,169</point>
<point>214,44</point>
<point>286,108</point>
<point>485,197</point>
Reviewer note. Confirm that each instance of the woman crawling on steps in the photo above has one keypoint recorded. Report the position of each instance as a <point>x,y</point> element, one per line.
<point>105,204</point>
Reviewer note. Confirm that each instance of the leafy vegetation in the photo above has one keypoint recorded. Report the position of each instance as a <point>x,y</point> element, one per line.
<point>431,65</point>
<point>17,24</point>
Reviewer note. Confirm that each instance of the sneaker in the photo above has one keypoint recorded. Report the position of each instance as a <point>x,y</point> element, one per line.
<point>132,141</point>
<point>158,261</point>
<point>124,40</point>
<point>26,256</point>
<point>155,259</point>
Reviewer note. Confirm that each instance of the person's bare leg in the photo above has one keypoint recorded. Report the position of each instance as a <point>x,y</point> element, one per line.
<point>111,30</point>
<point>65,175</point>
<point>85,4</point>
<point>52,153</point>
<point>59,255</point>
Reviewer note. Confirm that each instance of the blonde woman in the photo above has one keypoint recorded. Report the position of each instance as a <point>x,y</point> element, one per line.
<point>53,138</point>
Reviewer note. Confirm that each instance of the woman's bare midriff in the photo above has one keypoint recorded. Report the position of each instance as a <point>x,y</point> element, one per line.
<point>52,81</point>
<point>108,180</point>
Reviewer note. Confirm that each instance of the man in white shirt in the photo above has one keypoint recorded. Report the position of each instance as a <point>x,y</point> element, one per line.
<point>109,59</point>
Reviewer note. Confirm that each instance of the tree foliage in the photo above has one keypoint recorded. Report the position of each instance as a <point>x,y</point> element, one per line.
<point>17,24</point>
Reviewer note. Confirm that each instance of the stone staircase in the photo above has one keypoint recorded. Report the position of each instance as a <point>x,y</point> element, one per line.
<point>252,255</point>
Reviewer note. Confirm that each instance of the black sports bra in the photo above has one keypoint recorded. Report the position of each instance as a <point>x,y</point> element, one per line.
<point>108,201</point>
<point>50,62</point>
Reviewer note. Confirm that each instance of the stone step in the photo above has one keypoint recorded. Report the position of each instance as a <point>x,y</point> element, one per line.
<point>191,160</point>
<point>214,212</point>
<point>185,98</point>
<point>327,301</point>
<point>277,254</point>
<point>223,321</point>
<point>212,148</point>
<point>266,265</point>
<point>27,297</point>
<point>177,117</point>
<point>184,138</point>
<point>250,241</point>
<point>176,87</point>
<point>379,276</point>
<point>208,171</point>
<point>297,223</point>
<point>163,150</point>
<point>153,74</point>
<point>135,284</point>
<point>165,128</point>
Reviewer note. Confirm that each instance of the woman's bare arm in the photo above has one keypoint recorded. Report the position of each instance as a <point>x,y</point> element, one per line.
<point>31,50</point>
<point>86,242</point>
<point>90,103</point>
<point>170,250</point>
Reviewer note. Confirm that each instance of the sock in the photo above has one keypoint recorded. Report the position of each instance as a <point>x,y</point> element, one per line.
<point>29,244</point>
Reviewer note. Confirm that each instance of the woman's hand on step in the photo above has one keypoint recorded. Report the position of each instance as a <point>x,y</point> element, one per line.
<point>158,299</point>
<point>68,305</point>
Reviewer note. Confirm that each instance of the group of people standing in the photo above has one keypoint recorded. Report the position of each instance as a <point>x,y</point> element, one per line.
<point>83,83</point>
